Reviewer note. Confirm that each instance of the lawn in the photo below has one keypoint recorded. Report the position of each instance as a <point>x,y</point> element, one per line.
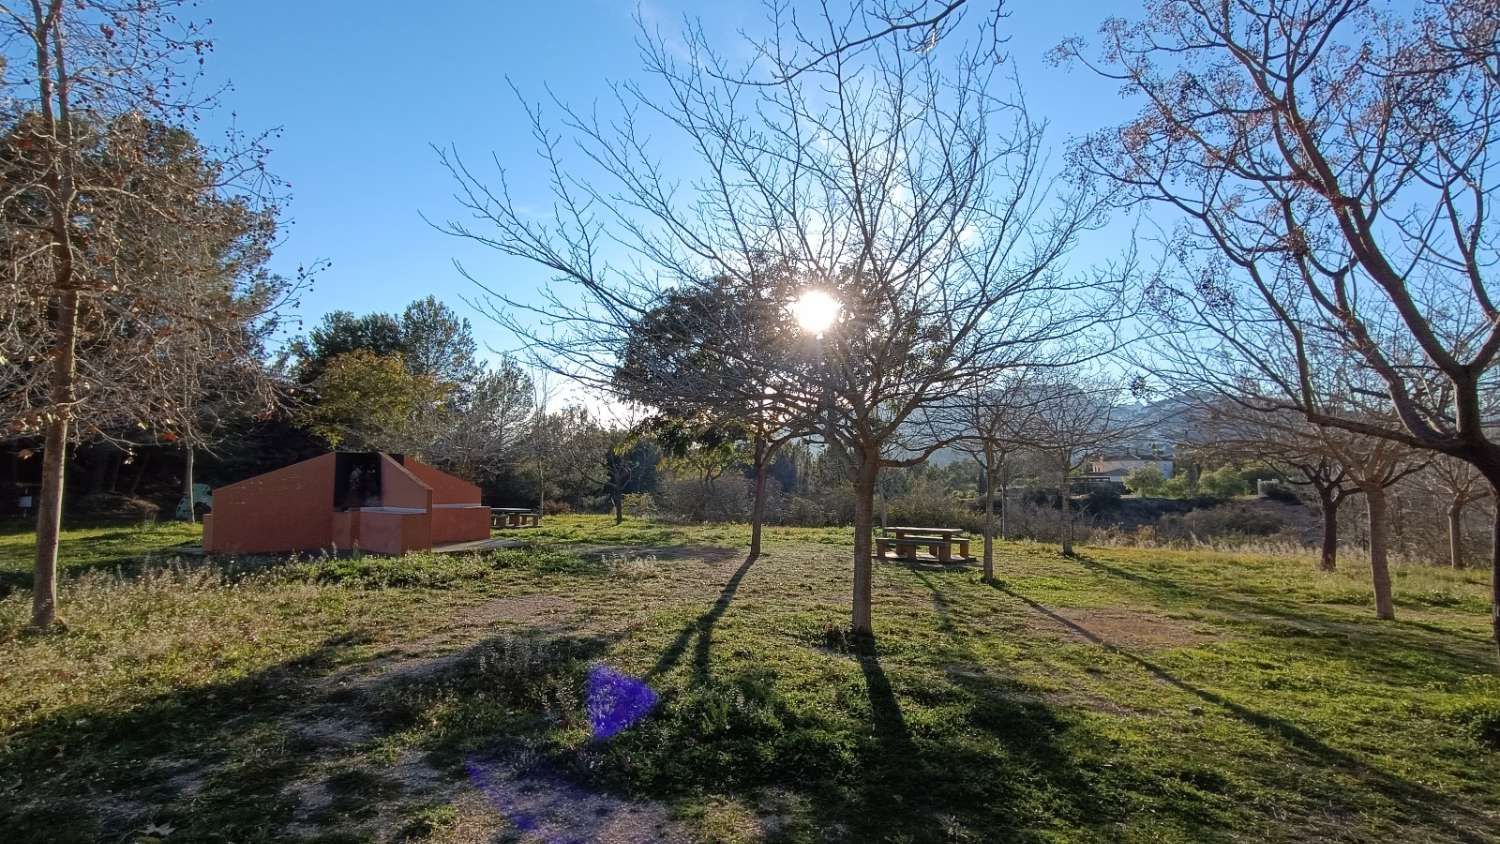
<point>1123,695</point>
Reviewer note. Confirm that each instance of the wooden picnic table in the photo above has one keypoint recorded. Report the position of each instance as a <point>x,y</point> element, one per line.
<point>939,543</point>
<point>925,531</point>
<point>506,517</point>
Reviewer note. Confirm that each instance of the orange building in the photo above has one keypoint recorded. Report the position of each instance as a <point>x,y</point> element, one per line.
<point>385,503</point>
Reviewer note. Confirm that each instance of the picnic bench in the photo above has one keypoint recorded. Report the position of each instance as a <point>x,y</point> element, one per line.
<point>909,543</point>
<point>514,517</point>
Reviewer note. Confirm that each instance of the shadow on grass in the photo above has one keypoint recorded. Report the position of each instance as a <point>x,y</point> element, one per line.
<point>1434,809</point>
<point>87,774</point>
<point>700,631</point>
<point>1365,644</point>
<point>285,748</point>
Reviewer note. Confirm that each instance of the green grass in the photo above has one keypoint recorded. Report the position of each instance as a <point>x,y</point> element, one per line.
<point>101,548</point>
<point>1125,695</point>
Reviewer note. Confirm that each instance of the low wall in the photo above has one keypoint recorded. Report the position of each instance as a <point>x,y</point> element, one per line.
<point>460,523</point>
<point>383,530</point>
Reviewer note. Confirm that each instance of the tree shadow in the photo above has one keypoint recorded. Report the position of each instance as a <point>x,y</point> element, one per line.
<point>86,773</point>
<point>700,630</point>
<point>284,748</point>
<point>1418,800</point>
<point>1366,643</point>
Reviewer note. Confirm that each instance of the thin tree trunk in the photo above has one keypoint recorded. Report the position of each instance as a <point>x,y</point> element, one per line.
<point>1067,516</point>
<point>49,524</point>
<point>1456,535</point>
<point>140,471</point>
<point>619,502</point>
<point>1495,572</point>
<point>758,506</point>
<point>989,518</point>
<point>1004,509</point>
<point>864,528</point>
<point>1328,561</point>
<point>1380,572</point>
<point>187,481</point>
<point>116,461</point>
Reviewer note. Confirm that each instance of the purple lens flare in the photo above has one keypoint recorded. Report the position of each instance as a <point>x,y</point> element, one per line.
<point>616,701</point>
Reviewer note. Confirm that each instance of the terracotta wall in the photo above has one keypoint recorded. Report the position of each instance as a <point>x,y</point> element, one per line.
<point>460,524</point>
<point>383,532</point>
<point>290,509</point>
<point>400,488</point>
<point>446,488</point>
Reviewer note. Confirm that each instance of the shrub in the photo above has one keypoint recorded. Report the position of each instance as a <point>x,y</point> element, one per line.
<point>689,500</point>
<point>803,512</point>
<point>552,507</point>
<point>108,506</point>
<point>1223,483</point>
<point>1102,499</point>
<point>639,505</point>
<point>1278,491</point>
<point>1179,486</point>
<point>1216,522</point>
<point>1147,480</point>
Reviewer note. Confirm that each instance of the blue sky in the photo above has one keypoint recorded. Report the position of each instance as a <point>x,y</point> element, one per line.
<point>362,88</point>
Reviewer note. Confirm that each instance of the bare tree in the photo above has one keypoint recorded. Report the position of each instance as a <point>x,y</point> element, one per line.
<point>900,187</point>
<point>1374,465</point>
<point>1073,420</point>
<point>994,421</point>
<point>1331,165</point>
<point>1460,484</point>
<point>483,426</point>
<point>1288,444</point>
<point>105,202</point>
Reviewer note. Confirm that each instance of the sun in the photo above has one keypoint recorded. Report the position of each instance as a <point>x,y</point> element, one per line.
<point>816,311</point>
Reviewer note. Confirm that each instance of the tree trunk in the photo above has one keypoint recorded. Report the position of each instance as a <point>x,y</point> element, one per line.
<point>989,520</point>
<point>1380,571</point>
<point>1004,509</point>
<point>1456,534</point>
<point>140,470</point>
<point>1495,572</point>
<point>54,466</point>
<point>49,524</point>
<point>864,528</point>
<point>1067,516</point>
<point>1328,561</point>
<point>187,481</point>
<point>758,506</point>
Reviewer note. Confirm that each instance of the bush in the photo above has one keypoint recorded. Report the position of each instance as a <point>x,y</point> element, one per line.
<point>1216,523</point>
<point>108,506</point>
<point>556,508</point>
<point>689,500</point>
<point>1179,486</point>
<point>802,512</point>
<point>1278,491</point>
<point>639,505</point>
<point>1223,483</point>
<point>1103,499</point>
<point>1147,480</point>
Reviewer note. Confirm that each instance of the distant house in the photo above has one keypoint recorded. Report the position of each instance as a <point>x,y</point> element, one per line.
<point>1120,466</point>
<point>385,503</point>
